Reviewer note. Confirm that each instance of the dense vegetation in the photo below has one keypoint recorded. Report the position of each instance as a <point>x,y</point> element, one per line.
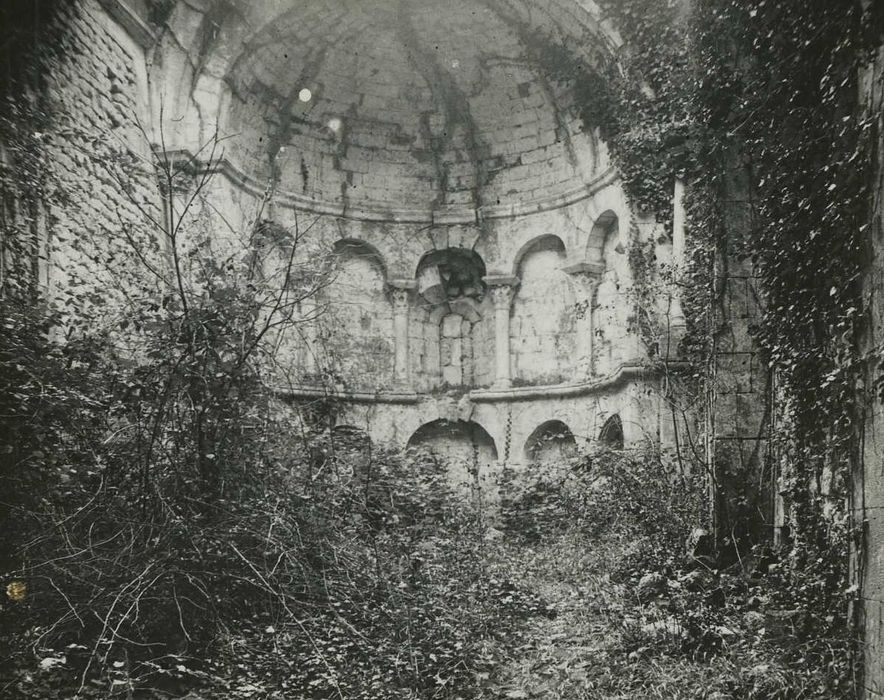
<point>756,106</point>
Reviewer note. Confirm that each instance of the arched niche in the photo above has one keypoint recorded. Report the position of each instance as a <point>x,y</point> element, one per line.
<point>611,434</point>
<point>346,249</point>
<point>542,327</point>
<point>464,448</point>
<point>355,318</point>
<point>449,342</point>
<point>450,273</point>
<point>551,443</point>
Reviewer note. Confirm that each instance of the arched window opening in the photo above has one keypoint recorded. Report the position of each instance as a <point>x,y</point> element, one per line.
<point>447,275</point>
<point>605,228</point>
<point>451,290</point>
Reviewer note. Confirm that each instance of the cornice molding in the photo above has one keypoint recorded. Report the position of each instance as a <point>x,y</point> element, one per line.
<point>624,373</point>
<point>446,216</point>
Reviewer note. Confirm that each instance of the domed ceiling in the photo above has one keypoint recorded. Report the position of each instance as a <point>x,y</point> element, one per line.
<point>410,105</point>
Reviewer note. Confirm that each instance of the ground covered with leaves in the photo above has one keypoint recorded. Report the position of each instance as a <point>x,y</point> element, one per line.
<point>610,639</point>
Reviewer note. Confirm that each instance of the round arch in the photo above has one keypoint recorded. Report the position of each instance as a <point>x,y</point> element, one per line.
<point>463,448</point>
<point>549,241</point>
<point>607,224</point>
<point>551,442</point>
<point>348,248</point>
<point>450,273</point>
<point>443,429</point>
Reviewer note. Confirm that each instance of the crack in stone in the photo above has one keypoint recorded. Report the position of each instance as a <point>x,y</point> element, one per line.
<point>452,102</point>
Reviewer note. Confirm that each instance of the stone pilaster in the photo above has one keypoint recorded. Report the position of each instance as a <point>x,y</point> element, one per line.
<point>400,297</point>
<point>679,217</point>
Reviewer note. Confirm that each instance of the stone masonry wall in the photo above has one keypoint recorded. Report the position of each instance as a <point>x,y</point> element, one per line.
<point>103,185</point>
<point>545,328</point>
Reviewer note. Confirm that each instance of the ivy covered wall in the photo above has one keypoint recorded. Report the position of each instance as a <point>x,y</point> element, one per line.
<point>756,106</point>
<point>868,498</point>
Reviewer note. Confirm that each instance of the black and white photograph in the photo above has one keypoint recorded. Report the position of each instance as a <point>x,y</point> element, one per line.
<point>442,349</point>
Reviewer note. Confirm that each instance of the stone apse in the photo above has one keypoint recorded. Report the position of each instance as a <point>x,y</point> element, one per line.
<point>477,296</point>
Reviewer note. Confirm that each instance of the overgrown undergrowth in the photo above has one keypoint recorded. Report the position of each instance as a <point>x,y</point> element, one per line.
<point>648,608</point>
<point>329,573</point>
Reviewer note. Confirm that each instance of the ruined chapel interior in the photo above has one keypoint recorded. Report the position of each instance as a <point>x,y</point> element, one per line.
<point>475,281</point>
<point>482,289</point>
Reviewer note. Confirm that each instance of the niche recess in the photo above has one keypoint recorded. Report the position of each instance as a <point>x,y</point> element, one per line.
<point>356,321</point>
<point>552,443</point>
<point>542,329</point>
<point>465,448</point>
<point>450,285</point>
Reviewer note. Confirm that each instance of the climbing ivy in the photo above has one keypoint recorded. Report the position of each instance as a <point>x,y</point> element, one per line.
<point>755,104</point>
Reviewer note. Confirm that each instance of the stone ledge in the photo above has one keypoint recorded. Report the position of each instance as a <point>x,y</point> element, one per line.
<point>523,393</point>
<point>592,269</point>
<point>501,280</point>
<point>312,392</point>
<point>557,391</point>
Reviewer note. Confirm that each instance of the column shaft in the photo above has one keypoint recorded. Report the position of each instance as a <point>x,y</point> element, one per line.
<point>309,335</point>
<point>399,295</point>
<point>502,296</point>
<point>586,278</point>
<point>585,330</point>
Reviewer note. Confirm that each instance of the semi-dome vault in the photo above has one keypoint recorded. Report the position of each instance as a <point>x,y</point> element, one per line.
<point>402,106</point>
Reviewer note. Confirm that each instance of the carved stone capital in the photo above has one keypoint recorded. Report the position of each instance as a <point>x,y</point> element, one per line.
<point>501,296</point>
<point>399,298</point>
<point>501,289</point>
<point>587,278</point>
<point>402,283</point>
<point>400,293</point>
